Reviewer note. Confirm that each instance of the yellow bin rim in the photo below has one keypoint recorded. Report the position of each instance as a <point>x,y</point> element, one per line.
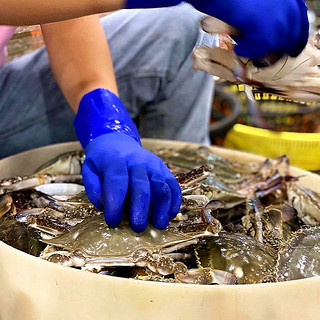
<point>302,149</point>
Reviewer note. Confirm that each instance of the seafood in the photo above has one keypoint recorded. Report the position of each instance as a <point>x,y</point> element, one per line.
<point>234,221</point>
<point>227,196</point>
<point>189,158</point>
<point>18,236</point>
<point>65,168</point>
<point>267,224</point>
<point>306,202</point>
<point>92,245</point>
<point>52,216</point>
<point>243,256</point>
<point>291,78</point>
<point>300,257</point>
<point>220,196</point>
<point>61,191</point>
<point>212,169</point>
<point>65,164</point>
<point>32,181</point>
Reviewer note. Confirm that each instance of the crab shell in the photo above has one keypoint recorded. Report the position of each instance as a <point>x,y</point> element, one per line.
<point>306,202</point>
<point>249,260</point>
<point>300,257</point>
<point>99,244</point>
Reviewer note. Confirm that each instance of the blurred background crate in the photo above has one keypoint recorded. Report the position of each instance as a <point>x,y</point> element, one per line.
<point>272,126</point>
<point>25,40</point>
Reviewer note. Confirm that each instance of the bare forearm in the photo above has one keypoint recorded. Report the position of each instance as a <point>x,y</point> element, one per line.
<point>79,57</point>
<point>26,12</point>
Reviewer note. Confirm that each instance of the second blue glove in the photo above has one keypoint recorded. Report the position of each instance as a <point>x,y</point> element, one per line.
<point>266,26</point>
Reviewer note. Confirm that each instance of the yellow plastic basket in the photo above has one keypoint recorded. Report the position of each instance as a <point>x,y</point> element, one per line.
<point>303,149</point>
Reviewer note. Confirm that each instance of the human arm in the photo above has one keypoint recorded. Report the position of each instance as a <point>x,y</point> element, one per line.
<point>266,26</point>
<point>79,56</point>
<point>27,12</point>
<point>116,168</point>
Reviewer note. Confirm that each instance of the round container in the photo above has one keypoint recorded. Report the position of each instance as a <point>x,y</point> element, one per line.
<point>303,149</point>
<point>39,290</point>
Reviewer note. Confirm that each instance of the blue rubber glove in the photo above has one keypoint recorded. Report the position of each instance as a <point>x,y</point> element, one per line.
<point>118,169</point>
<point>133,4</point>
<point>266,26</point>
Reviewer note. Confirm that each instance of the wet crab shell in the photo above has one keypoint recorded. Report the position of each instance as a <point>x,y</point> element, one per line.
<point>249,260</point>
<point>306,202</point>
<point>65,164</point>
<point>300,258</point>
<point>120,246</point>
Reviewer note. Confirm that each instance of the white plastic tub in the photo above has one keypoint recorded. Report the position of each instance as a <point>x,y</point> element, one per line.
<point>31,288</point>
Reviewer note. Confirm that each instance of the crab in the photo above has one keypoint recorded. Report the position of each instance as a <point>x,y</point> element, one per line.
<point>65,168</point>
<point>291,78</point>
<point>243,256</point>
<point>213,170</point>
<point>268,224</point>
<point>52,216</point>
<point>78,236</point>
<point>93,246</point>
<point>221,195</point>
<point>306,202</point>
<point>66,163</point>
<point>18,236</point>
<point>300,257</point>
<point>189,158</point>
<point>5,204</point>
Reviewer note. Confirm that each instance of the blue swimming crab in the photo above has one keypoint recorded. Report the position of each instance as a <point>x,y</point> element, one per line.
<point>93,246</point>
<point>300,257</point>
<point>306,202</point>
<point>295,78</point>
<point>249,260</point>
<point>65,168</point>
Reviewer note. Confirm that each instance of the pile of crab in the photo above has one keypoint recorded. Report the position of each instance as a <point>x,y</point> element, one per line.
<point>238,223</point>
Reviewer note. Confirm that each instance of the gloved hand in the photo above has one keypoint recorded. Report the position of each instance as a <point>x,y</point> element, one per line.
<point>117,167</point>
<point>132,4</point>
<point>266,26</point>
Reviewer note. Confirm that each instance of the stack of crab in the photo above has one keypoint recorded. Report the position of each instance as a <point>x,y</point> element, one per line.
<point>238,223</point>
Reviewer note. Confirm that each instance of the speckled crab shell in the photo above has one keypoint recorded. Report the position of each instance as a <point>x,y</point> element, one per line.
<point>300,257</point>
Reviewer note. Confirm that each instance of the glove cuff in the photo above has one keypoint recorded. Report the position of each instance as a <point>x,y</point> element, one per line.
<point>134,4</point>
<point>100,112</point>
